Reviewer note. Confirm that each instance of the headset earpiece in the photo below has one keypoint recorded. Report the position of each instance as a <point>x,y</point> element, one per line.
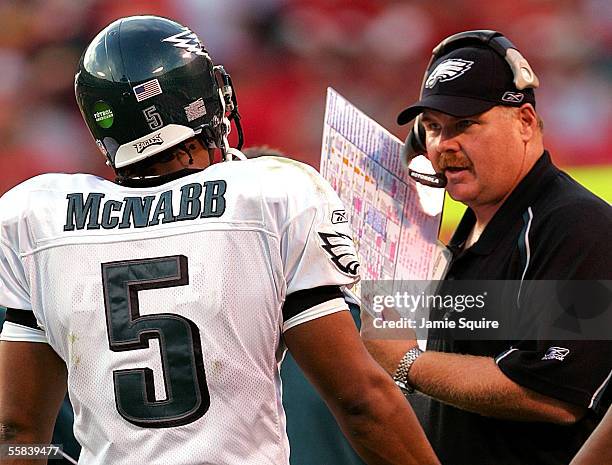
<point>415,142</point>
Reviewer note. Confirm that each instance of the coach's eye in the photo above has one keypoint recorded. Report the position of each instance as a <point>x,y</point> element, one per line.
<point>431,126</point>
<point>463,124</point>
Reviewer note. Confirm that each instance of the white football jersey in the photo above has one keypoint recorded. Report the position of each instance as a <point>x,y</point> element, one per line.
<point>168,303</point>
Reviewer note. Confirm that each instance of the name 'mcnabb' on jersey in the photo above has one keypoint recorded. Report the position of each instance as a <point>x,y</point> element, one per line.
<point>197,200</point>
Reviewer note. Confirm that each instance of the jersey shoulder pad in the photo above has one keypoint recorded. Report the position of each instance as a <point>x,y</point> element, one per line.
<point>294,179</point>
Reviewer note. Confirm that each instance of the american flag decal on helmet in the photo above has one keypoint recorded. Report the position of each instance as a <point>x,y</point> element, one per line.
<point>147,90</point>
<point>447,71</point>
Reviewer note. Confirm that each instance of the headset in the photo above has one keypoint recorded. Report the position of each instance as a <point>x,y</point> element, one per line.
<point>524,78</point>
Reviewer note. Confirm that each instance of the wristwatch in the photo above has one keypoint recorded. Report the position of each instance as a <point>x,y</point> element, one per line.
<point>401,372</point>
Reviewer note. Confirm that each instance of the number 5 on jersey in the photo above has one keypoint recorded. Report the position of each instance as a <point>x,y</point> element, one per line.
<point>179,340</point>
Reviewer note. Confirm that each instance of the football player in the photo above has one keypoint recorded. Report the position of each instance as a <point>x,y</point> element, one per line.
<point>164,301</point>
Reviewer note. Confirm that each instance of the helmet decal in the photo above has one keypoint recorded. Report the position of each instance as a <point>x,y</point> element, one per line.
<point>187,40</point>
<point>142,145</point>
<point>195,110</point>
<point>150,144</point>
<point>147,90</point>
<point>103,114</point>
<point>154,119</point>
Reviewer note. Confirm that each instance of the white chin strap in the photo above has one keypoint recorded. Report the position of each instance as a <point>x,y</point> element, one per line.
<point>232,153</point>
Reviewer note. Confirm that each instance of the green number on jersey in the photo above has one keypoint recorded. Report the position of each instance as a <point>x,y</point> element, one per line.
<point>179,341</point>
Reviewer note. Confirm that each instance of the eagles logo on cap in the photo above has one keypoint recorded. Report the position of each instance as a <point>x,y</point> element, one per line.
<point>490,83</point>
<point>447,71</point>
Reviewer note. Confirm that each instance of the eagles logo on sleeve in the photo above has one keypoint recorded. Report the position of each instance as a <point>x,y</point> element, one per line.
<point>341,251</point>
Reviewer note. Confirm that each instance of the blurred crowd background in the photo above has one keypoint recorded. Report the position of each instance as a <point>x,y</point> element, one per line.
<point>282,54</point>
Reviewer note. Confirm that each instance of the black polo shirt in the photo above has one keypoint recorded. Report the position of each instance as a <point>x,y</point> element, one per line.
<point>549,228</point>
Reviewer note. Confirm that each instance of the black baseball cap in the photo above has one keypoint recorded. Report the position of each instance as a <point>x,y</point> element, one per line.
<point>468,81</point>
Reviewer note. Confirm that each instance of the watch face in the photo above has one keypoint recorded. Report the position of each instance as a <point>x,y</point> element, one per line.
<point>405,388</point>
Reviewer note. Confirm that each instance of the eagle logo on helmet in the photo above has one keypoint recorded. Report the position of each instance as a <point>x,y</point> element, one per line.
<point>188,41</point>
<point>155,140</point>
<point>447,71</point>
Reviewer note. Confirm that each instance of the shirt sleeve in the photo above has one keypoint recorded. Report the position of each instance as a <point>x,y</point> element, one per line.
<point>577,257</point>
<point>577,372</point>
<point>22,326</point>
<point>309,304</point>
<point>14,332</point>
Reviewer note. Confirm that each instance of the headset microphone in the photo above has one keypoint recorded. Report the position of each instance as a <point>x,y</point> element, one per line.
<point>431,180</point>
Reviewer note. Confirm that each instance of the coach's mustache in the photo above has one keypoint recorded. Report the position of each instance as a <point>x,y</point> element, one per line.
<point>453,160</point>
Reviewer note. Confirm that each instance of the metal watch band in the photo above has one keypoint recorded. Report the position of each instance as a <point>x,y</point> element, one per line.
<point>401,372</point>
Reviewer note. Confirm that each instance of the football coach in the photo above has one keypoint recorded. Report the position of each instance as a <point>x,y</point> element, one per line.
<point>510,402</point>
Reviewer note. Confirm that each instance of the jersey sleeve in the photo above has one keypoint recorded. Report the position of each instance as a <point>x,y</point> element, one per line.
<point>13,285</point>
<point>14,332</point>
<point>14,289</point>
<point>20,324</point>
<point>317,248</point>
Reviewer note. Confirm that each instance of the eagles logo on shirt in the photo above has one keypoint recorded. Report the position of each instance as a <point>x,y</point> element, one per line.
<point>341,251</point>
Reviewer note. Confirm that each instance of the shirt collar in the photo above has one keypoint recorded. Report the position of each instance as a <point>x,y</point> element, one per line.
<point>523,195</point>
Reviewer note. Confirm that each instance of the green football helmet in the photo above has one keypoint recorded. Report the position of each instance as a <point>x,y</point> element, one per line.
<point>145,84</point>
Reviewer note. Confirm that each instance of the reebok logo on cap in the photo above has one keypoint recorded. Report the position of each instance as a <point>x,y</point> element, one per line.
<point>513,97</point>
<point>447,71</point>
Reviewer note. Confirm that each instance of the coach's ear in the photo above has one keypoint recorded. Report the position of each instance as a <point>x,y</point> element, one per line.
<point>528,120</point>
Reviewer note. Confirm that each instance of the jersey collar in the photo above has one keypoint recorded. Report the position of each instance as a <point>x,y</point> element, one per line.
<point>154,181</point>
